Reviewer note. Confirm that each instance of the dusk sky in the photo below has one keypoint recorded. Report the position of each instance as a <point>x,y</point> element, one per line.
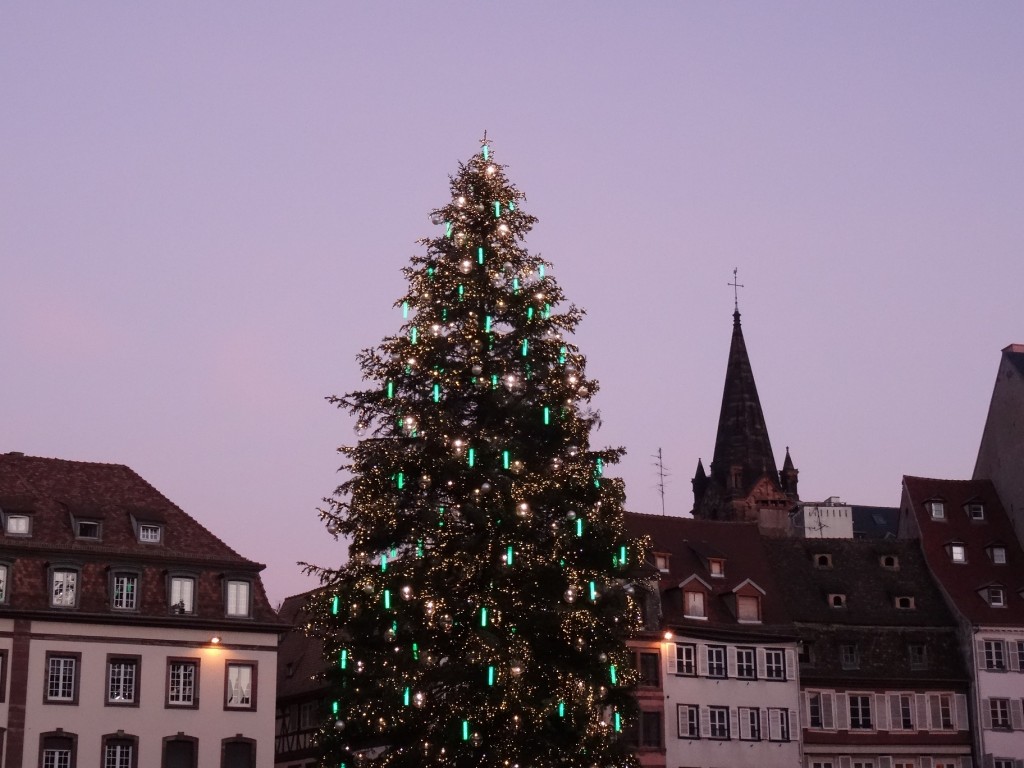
<point>205,208</point>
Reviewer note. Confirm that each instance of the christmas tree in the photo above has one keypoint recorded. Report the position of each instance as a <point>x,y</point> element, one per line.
<point>482,617</point>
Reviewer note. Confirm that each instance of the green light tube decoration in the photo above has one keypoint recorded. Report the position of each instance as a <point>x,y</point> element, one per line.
<point>413,335</point>
<point>448,229</point>
<point>509,554</point>
<point>387,599</point>
<point>465,730</point>
<point>471,457</point>
<point>391,390</point>
<point>526,347</point>
<point>334,708</point>
<point>335,604</point>
<point>490,674</point>
<point>529,313</point>
<point>405,310</point>
<point>415,651</point>
<point>343,662</point>
<point>437,393</point>
<point>497,209</point>
<point>618,723</point>
<point>561,709</point>
<point>400,480</point>
<point>505,459</point>
<point>483,616</point>
<point>579,527</point>
<point>405,696</point>
<point>613,674</point>
<point>547,415</point>
<point>383,562</point>
<point>593,592</point>
<point>561,354</point>
<point>480,255</point>
<point>487,324</point>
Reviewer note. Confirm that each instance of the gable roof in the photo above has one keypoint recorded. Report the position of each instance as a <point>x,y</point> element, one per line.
<point>688,543</point>
<point>962,581</point>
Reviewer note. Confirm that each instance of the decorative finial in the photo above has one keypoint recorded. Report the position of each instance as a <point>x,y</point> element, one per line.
<point>735,292</point>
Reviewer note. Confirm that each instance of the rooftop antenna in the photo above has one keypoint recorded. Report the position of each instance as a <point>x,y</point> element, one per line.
<point>663,474</point>
<point>736,285</point>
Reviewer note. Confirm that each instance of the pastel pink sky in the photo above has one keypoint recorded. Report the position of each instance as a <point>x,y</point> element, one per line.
<point>204,209</point>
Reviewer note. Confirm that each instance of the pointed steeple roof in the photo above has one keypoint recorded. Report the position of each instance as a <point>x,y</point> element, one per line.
<point>742,439</point>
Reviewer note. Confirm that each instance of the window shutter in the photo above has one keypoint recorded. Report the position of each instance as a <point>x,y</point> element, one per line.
<point>921,715</point>
<point>960,704</point>
<point>1016,714</point>
<point>794,726</point>
<point>673,662</point>
<point>682,720</point>
<point>733,723</point>
<point>702,660</point>
<point>730,660</point>
<point>880,716</point>
<point>827,708</point>
<point>1013,663</point>
<point>986,714</point>
<point>790,664</point>
<point>842,711</point>
<point>935,716</point>
<point>895,714</point>
<point>744,723</point>
<point>760,663</point>
<point>884,761</point>
<point>705,723</point>
<point>774,725</point>
<point>979,645</point>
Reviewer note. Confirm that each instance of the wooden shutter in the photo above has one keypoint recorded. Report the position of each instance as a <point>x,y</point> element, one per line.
<point>880,716</point>
<point>827,709</point>
<point>673,661</point>
<point>733,723</point>
<point>934,712</point>
<point>842,711</point>
<point>774,724</point>
<point>730,661</point>
<point>960,711</point>
<point>979,646</point>
<point>744,723</point>
<point>794,726</point>
<point>702,660</point>
<point>705,723</point>
<point>986,714</point>
<point>921,713</point>
<point>791,664</point>
<point>760,664</point>
<point>1016,715</point>
<point>1013,662</point>
<point>895,713</point>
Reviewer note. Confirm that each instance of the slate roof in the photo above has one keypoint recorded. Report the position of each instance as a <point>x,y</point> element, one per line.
<point>689,543</point>
<point>964,582</point>
<point>300,659</point>
<point>875,522</point>
<point>56,493</point>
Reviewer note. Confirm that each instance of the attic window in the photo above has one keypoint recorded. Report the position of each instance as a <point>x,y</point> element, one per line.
<point>150,533</point>
<point>997,597</point>
<point>938,510</point>
<point>87,529</point>
<point>18,525</point>
<point>904,602</point>
<point>998,554</point>
<point>890,561</point>
<point>958,552</point>
<point>661,562</point>
<point>918,655</point>
<point>716,567</point>
<point>837,601</point>
<point>849,657</point>
<point>748,609</point>
<point>823,561</point>
<point>976,511</point>
<point>693,605</point>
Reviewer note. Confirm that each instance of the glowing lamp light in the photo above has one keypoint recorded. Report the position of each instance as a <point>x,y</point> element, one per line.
<point>215,640</point>
<point>669,634</point>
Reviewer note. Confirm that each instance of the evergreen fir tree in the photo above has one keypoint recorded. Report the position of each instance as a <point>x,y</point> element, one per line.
<point>482,615</point>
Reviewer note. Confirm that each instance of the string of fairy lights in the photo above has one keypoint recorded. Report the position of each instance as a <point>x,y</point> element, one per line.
<point>481,618</point>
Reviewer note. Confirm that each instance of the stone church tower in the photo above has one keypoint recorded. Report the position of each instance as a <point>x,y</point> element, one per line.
<point>744,483</point>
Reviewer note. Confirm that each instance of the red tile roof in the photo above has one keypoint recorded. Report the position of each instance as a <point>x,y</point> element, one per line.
<point>963,581</point>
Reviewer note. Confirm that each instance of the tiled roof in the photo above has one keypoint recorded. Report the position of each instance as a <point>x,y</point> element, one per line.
<point>57,493</point>
<point>963,581</point>
<point>300,660</point>
<point>856,572</point>
<point>689,543</point>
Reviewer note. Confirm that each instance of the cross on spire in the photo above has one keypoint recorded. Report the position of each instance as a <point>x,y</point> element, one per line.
<point>735,289</point>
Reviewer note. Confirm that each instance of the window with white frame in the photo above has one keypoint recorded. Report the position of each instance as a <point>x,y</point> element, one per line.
<point>1003,762</point>
<point>18,525</point>
<point>63,587</point>
<point>976,511</point>
<point>126,591</point>
<point>119,751</point>
<point>716,567</point>
<point>182,678</point>
<point>237,598</point>
<point>778,724</point>
<point>998,554</point>
<point>719,722</point>
<point>814,710</point>
<point>87,529</point>
<point>750,723</point>
<point>57,750</point>
<point>860,711</point>
<point>62,678</point>
<point>917,654</point>
<point>903,712</point>
<point>958,552</point>
<point>994,655</point>
<point>716,661</point>
<point>688,721</point>
<point>308,715</point>
<point>150,533</point>
<point>686,659</point>
<point>1019,650</point>
<point>746,664</point>
<point>999,712</point>
<point>693,604</point>
<point>122,680</point>
<point>241,683</point>
<point>774,664</point>
<point>182,597</point>
<point>938,510</point>
<point>748,608</point>
<point>661,562</point>
<point>997,597</point>
<point>941,706</point>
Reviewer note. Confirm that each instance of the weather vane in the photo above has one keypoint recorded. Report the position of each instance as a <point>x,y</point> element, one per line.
<point>735,286</point>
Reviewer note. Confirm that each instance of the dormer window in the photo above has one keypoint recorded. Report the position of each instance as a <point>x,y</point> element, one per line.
<point>149,533</point>
<point>18,525</point>
<point>890,562</point>
<point>958,552</point>
<point>849,656</point>
<point>661,562</point>
<point>997,597</point>
<point>904,602</point>
<point>716,567</point>
<point>748,608</point>
<point>693,605</point>
<point>976,511</point>
<point>823,561</point>
<point>937,509</point>
<point>837,600</point>
<point>998,554</point>
<point>87,529</point>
